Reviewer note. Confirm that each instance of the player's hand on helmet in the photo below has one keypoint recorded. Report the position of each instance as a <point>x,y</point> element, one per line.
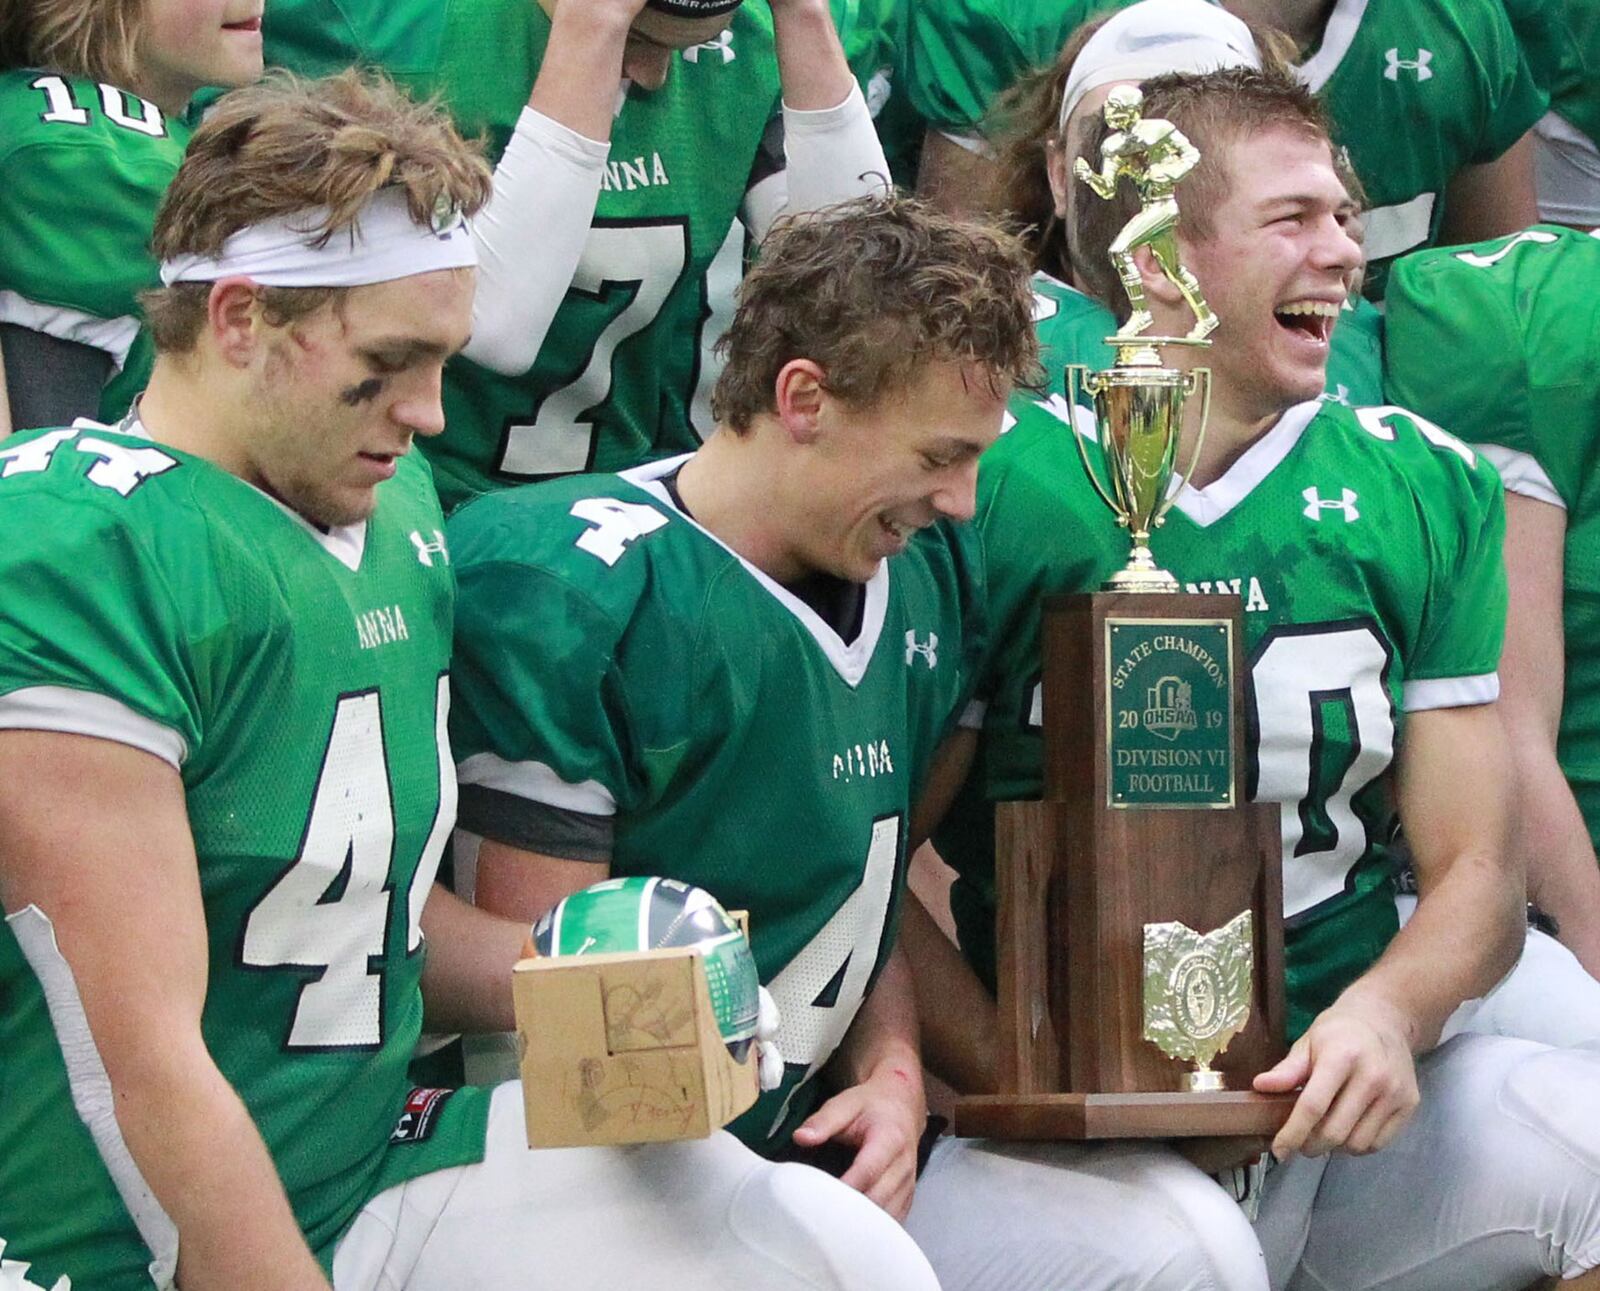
<point>1359,1078</point>
<point>883,1119</point>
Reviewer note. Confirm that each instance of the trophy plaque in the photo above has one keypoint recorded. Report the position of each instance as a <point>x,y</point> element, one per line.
<point>1139,903</point>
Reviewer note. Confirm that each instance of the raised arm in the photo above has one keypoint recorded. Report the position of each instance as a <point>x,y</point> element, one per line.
<point>95,849</point>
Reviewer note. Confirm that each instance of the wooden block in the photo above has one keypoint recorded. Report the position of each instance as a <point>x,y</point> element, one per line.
<point>624,1049</point>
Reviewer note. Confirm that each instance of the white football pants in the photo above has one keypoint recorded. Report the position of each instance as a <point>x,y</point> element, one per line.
<point>655,1217</point>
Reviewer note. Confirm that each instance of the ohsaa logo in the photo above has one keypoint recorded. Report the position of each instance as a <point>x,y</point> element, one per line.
<point>14,1276</point>
<point>1169,708</point>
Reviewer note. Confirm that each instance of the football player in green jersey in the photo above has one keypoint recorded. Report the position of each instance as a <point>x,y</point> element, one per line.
<point>1365,547</point>
<point>92,99</point>
<point>1497,341</point>
<point>736,668</point>
<point>627,164</point>
<point>1432,98</point>
<point>223,706</point>
<point>1048,115</point>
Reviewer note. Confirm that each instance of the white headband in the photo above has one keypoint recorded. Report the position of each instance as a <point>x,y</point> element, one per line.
<point>384,243</point>
<point>1156,37</point>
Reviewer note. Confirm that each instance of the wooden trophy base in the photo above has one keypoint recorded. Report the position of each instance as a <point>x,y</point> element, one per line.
<point>1143,827</point>
<point>1226,1114</point>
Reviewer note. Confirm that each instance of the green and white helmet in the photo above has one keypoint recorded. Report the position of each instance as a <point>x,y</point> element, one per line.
<point>639,914</point>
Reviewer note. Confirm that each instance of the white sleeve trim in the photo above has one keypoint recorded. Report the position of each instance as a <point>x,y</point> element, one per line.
<point>114,336</point>
<point>536,782</point>
<point>973,143</point>
<point>1451,692</point>
<point>972,715</point>
<point>1522,474</point>
<point>833,154</point>
<point>530,238</point>
<point>83,712</point>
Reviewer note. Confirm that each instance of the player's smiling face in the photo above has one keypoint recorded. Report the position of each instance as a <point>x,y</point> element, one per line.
<point>185,44</point>
<point>342,393</point>
<point>877,475</point>
<point>1275,268</point>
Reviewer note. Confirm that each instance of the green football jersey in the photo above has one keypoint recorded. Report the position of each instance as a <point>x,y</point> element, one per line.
<point>1561,39</point>
<point>297,682</point>
<point>616,377</point>
<point>613,658</point>
<point>1365,544</point>
<point>961,55</point>
<point>1072,328</point>
<point>873,33</point>
<point>82,170</point>
<point>1578,99</point>
<point>1416,89</point>
<point>1500,339</point>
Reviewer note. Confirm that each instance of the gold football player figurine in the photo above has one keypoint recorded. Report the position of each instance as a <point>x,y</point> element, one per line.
<point>1155,155</point>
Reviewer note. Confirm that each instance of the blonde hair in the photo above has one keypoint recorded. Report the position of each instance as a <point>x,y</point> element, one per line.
<point>96,39</point>
<point>288,145</point>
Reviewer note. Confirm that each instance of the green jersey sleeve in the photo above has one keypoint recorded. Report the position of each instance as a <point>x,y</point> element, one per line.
<point>82,169</point>
<point>961,55</point>
<point>71,658</point>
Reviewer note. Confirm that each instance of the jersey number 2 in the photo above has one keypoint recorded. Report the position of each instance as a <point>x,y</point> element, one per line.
<point>327,917</point>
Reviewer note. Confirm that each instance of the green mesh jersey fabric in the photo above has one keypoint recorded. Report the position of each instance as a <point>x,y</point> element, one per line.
<point>82,169</point>
<point>873,32</point>
<point>1365,546</point>
<point>297,680</point>
<point>617,375</point>
<point>1417,89</point>
<point>1072,328</point>
<point>1561,39</point>
<point>961,55</point>
<point>614,658</point>
<point>1498,341</point>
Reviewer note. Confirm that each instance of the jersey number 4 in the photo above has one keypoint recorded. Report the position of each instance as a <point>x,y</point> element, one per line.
<point>327,917</point>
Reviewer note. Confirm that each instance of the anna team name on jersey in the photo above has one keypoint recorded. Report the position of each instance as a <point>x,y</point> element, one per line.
<point>1365,546</point>
<point>615,659</point>
<point>83,167</point>
<point>1497,341</point>
<point>155,600</point>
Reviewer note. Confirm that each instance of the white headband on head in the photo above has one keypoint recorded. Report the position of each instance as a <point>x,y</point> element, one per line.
<point>1155,37</point>
<point>383,244</point>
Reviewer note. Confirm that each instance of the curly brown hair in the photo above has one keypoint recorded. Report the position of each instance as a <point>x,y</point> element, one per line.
<point>1214,110</point>
<point>872,291</point>
<point>95,39</point>
<point>287,145</point>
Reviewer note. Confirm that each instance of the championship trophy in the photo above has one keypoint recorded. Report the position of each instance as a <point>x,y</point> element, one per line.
<point>1139,921</point>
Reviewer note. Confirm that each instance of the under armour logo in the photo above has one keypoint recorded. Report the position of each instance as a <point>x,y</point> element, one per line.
<point>1339,394</point>
<point>426,550</point>
<point>1419,64</point>
<point>723,44</point>
<point>930,652</point>
<point>1316,504</point>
